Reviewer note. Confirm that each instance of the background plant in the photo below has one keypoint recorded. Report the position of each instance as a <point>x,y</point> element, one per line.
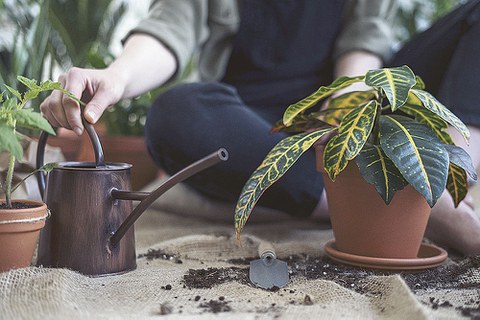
<point>15,113</point>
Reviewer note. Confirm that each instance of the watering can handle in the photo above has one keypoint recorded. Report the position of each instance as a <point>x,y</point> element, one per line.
<point>42,141</point>
<point>147,199</point>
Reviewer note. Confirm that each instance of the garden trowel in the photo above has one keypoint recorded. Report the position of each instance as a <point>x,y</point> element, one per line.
<point>268,272</point>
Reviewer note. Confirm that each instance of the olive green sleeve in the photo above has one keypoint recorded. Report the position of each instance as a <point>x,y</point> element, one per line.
<point>367,25</point>
<point>179,24</point>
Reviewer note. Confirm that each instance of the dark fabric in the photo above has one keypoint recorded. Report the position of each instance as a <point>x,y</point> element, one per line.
<point>447,57</point>
<point>281,54</point>
<point>283,50</point>
<point>190,121</point>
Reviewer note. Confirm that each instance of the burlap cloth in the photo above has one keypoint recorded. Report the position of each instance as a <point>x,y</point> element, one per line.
<point>196,234</point>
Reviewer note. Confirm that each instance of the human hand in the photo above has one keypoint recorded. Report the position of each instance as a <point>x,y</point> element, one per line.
<point>98,88</point>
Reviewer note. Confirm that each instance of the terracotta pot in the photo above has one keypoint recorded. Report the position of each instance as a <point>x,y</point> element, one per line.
<point>364,225</point>
<point>19,230</point>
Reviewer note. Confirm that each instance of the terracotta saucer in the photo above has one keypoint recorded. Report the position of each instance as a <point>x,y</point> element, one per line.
<point>429,256</point>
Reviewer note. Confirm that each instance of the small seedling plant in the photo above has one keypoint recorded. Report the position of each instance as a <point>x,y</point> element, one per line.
<point>15,113</point>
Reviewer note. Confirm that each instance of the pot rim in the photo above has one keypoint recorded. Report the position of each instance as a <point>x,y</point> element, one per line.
<point>91,166</point>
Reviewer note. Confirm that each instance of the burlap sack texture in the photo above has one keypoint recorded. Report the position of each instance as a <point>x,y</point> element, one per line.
<point>184,239</point>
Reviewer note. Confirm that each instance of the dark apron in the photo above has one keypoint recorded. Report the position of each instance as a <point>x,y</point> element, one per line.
<point>283,50</point>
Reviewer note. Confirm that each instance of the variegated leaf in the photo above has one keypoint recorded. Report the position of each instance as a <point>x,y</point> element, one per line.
<point>352,136</point>
<point>274,166</point>
<point>432,104</point>
<point>377,169</point>
<point>427,117</point>
<point>295,109</point>
<point>302,123</point>
<point>457,179</point>
<point>461,158</point>
<point>338,107</point>
<point>395,82</point>
<point>418,154</point>
<point>457,184</point>
<point>420,84</point>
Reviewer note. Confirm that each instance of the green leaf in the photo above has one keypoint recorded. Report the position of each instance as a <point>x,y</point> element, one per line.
<point>45,169</point>
<point>302,123</point>
<point>352,136</point>
<point>9,141</point>
<point>27,118</point>
<point>461,158</point>
<point>273,167</point>
<point>14,92</point>
<point>457,184</point>
<point>418,154</point>
<point>432,104</point>
<point>377,169</point>
<point>395,82</point>
<point>420,84</point>
<point>341,105</point>
<point>295,109</point>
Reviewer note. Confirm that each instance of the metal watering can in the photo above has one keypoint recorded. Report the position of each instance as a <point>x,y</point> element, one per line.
<point>90,227</point>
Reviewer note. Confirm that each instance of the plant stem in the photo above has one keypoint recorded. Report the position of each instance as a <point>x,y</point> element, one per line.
<point>376,126</point>
<point>8,187</point>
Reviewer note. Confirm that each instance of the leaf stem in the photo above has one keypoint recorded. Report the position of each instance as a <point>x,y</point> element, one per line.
<point>8,187</point>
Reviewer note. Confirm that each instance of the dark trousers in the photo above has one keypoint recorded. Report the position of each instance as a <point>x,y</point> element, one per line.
<point>192,120</point>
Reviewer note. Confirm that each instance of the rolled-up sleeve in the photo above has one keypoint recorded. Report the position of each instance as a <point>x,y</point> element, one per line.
<point>179,24</point>
<point>367,26</point>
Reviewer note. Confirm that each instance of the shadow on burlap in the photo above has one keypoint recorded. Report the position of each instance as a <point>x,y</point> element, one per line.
<point>183,240</point>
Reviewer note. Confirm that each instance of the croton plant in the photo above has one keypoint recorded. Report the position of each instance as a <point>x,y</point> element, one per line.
<point>395,132</point>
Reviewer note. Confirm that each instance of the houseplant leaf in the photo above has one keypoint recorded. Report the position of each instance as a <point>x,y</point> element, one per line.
<point>274,166</point>
<point>295,109</point>
<point>461,158</point>
<point>9,141</point>
<point>457,184</point>
<point>28,119</point>
<point>341,105</point>
<point>377,169</point>
<point>418,154</point>
<point>432,104</point>
<point>302,123</point>
<point>395,82</point>
<point>352,135</point>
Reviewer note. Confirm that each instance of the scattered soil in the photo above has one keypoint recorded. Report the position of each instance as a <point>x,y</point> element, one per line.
<point>160,254</point>
<point>18,205</point>
<point>208,278</point>
<point>216,306</point>
<point>444,277</point>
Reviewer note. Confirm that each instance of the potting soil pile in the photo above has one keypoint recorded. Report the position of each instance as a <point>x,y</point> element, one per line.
<point>191,266</point>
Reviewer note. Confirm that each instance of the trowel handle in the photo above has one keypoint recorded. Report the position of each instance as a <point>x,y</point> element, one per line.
<point>266,250</point>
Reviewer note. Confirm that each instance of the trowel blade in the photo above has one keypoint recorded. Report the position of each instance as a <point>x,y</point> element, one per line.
<point>269,275</point>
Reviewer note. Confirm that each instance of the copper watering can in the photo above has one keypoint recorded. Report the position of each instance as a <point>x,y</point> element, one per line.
<point>91,225</point>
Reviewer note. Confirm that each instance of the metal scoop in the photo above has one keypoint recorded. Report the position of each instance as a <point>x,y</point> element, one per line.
<point>268,272</point>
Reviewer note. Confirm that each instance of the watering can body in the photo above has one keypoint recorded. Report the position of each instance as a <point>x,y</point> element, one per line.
<point>83,218</point>
<point>90,229</point>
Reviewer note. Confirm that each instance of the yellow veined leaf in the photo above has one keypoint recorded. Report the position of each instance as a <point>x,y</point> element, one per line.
<point>273,167</point>
<point>297,108</point>
<point>418,154</point>
<point>395,82</point>
<point>338,107</point>
<point>352,135</point>
<point>432,104</point>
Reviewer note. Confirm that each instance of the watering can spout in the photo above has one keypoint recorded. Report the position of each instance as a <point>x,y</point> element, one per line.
<point>148,198</point>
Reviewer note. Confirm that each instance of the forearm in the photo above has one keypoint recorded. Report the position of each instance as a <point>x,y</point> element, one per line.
<point>144,64</point>
<point>355,63</point>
